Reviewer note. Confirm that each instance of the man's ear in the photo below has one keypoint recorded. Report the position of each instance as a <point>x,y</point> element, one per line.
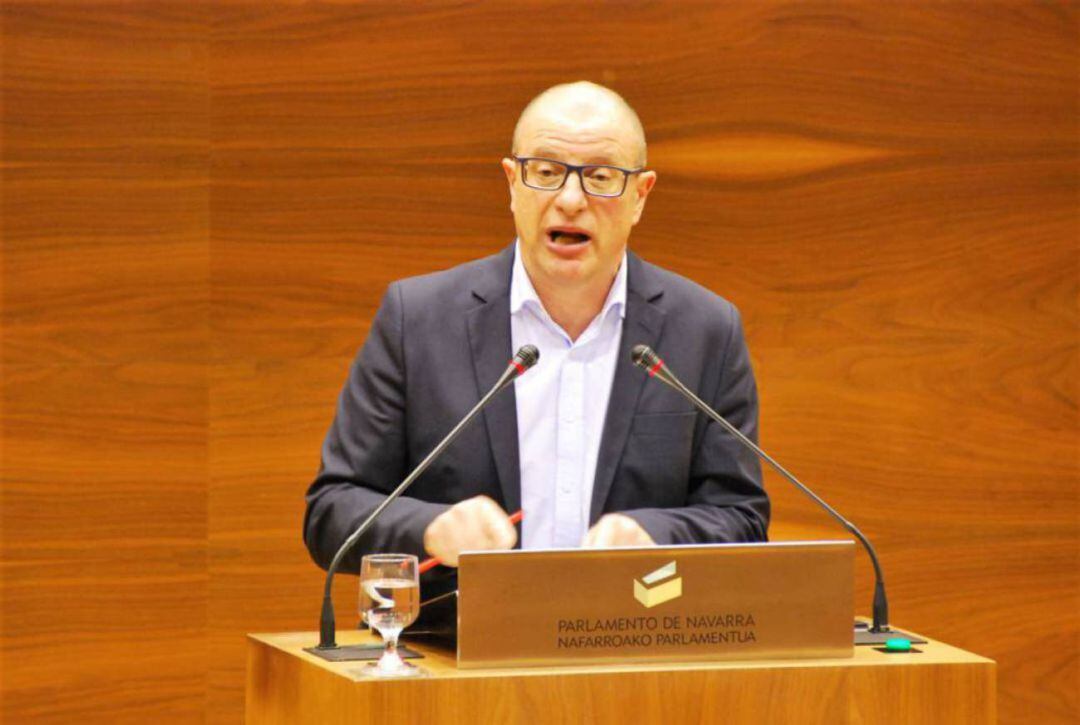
<point>510,168</point>
<point>645,182</point>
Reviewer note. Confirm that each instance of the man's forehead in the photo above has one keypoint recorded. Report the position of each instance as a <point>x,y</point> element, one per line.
<point>600,133</point>
<point>555,140</point>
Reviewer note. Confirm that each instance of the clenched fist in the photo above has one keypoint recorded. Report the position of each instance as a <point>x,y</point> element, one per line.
<point>616,530</point>
<point>472,525</point>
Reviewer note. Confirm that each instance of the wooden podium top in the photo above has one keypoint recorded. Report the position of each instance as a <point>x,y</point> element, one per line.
<point>940,684</point>
<point>441,662</point>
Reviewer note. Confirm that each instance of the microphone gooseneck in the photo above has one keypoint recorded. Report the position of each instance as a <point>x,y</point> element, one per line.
<point>523,359</point>
<point>645,358</point>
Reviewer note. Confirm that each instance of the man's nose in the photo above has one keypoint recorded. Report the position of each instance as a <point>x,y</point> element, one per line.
<point>571,197</point>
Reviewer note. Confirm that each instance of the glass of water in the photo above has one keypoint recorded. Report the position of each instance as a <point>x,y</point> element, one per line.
<point>389,602</point>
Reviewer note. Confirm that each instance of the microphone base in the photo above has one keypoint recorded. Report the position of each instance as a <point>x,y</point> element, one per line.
<point>863,636</point>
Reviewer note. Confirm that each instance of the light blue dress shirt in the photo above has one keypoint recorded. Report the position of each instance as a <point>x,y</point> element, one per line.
<point>561,405</point>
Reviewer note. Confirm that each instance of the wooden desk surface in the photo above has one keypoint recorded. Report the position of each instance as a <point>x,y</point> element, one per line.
<point>941,684</point>
<point>441,662</point>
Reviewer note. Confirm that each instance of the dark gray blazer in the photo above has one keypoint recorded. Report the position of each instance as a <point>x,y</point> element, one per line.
<point>438,342</point>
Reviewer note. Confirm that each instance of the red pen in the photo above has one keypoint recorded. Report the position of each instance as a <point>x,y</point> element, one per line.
<point>434,561</point>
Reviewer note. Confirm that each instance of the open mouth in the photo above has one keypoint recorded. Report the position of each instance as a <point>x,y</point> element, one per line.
<point>568,237</point>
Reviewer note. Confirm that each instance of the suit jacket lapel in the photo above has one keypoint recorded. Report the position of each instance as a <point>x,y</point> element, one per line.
<point>489,337</point>
<point>643,324</point>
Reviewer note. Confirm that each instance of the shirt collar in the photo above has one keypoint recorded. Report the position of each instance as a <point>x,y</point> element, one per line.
<point>522,291</point>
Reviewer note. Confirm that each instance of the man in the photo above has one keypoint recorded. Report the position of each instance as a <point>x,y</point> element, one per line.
<point>593,453</point>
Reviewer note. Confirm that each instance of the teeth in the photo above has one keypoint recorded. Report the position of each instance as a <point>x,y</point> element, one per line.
<point>571,237</point>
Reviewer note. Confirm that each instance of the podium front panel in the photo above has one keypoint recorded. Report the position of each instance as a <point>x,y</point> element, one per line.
<point>656,604</point>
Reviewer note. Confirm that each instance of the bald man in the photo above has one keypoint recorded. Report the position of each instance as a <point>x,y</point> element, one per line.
<point>593,454</point>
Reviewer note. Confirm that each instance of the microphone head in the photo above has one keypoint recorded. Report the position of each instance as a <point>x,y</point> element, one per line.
<point>644,357</point>
<point>526,357</point>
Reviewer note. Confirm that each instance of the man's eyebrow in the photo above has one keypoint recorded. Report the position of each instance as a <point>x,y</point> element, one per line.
<point>546,153</point>
<point>601,159</point>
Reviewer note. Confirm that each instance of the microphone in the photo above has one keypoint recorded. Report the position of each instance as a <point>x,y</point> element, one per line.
<point>525,358</point>
<point>644,357</point>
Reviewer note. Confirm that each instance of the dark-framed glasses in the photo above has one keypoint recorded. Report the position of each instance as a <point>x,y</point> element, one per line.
<point>596,179</point>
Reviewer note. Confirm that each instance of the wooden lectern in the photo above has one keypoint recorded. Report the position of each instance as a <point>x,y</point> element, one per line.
<point>723,633</point>
<point>939,684</point>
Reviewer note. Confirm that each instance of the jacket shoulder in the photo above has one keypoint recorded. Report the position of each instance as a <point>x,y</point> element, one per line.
<point>681,296</point>
<point>455,287</point>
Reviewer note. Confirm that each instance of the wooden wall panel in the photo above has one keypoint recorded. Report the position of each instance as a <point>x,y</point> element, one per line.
<point>104,364</point>
<point>260,573</point>
<point>104,558</point>
<point>203,204</point>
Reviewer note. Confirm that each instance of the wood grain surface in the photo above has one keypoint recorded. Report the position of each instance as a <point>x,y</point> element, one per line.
<point>940,684</point>
<point>202,204</point>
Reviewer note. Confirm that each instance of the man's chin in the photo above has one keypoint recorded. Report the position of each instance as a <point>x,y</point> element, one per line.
<point>569,271</point>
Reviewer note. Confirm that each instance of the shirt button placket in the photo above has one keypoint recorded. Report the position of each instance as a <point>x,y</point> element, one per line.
<point>570,446</point>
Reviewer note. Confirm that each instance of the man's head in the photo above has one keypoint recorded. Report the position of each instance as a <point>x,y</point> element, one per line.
<point>569,238</point>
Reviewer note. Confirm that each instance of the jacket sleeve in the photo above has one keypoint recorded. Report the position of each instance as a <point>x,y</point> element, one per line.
<point>365,455</point>
<point>726,499</point>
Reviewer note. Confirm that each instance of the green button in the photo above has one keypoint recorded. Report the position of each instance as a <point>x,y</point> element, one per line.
<point>898,644</point>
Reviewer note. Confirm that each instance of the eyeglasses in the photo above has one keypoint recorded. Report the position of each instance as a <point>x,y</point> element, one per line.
<point>596,180</point>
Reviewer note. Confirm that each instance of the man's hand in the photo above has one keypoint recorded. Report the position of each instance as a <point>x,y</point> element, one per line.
<point>616,530</point>
<point>472,525</point>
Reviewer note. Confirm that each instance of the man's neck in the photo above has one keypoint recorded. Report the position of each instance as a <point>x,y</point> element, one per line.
<point>573,308</point>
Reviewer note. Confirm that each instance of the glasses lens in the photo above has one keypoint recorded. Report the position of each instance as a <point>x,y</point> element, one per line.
<point>603,180</point>
<point>544,174</point>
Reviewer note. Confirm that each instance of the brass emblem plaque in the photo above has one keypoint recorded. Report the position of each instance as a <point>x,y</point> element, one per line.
<point>656,604</point>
